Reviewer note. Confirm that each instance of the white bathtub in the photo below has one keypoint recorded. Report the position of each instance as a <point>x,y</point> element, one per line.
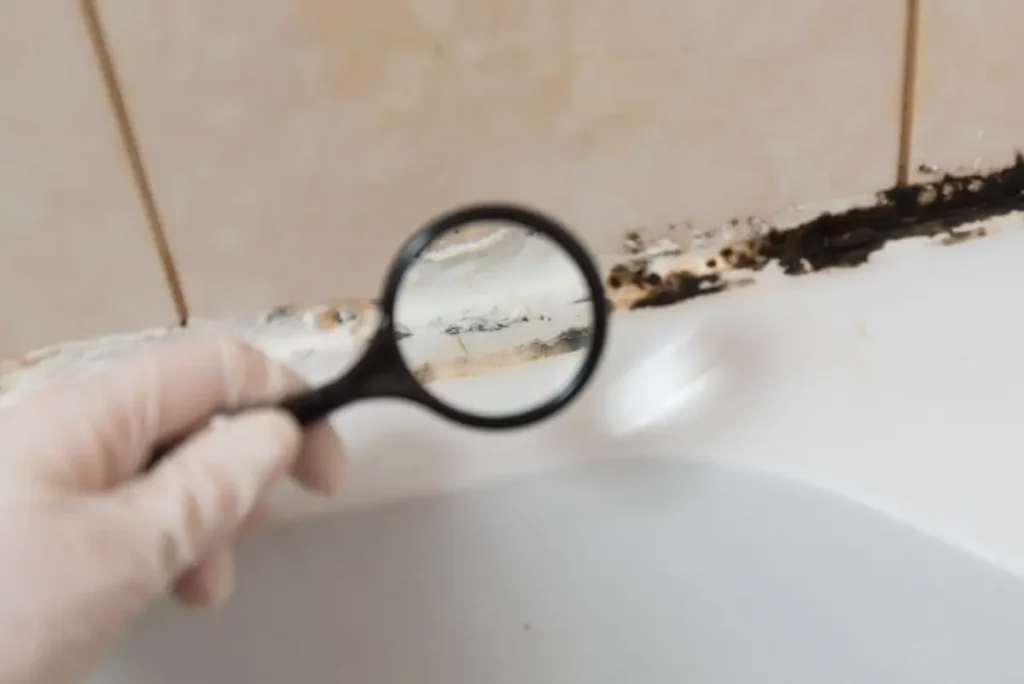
<point>849,511</point>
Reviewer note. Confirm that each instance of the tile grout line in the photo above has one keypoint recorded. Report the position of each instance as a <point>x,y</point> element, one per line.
<point>908,95</point>
<point>131,146</point>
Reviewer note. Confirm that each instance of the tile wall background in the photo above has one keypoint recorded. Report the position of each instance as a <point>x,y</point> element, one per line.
<point>286,147</point>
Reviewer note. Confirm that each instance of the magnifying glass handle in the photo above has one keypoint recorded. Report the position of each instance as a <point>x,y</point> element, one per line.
<point>311,407</point>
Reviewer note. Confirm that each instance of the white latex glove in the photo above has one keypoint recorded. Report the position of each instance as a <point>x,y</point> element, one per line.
<point>86,544</point>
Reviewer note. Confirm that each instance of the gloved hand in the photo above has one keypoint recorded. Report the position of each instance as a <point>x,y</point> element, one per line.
<point>86,543</point>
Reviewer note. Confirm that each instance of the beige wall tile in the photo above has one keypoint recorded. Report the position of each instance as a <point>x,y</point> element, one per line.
<point>294,143</point>
<point>76,258</point>
<point>969,95</point>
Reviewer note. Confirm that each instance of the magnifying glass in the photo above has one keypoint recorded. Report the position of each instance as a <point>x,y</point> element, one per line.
<point>538,285</point>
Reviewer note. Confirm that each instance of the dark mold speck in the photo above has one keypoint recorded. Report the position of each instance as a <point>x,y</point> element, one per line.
<point>619,275</point>
<point>679,286</point>
<point>569,340</point>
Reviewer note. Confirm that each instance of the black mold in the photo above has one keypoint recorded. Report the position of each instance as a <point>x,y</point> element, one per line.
<point>483,325</point>
<point>849,238</point>
<point>279,312</point>
<point>679,286</point>
<point>569,340</point>
<point>935,208</point>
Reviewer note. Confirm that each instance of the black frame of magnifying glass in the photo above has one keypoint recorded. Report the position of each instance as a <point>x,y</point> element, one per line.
<point>383,373</point>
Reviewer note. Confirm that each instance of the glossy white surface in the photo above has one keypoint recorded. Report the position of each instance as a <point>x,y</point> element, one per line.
<point>636,572</point>
<point>844,507</point>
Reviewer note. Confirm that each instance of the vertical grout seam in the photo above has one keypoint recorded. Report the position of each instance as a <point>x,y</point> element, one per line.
<point>131,146</point>
<point>908,96</point>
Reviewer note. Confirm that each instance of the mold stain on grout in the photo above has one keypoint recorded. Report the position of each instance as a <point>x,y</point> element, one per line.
<point>938,209</point>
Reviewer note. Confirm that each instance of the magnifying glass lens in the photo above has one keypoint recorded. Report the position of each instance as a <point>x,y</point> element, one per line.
<point>494,319</point>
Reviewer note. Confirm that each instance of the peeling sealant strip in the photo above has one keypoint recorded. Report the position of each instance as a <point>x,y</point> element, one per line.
<point>455,342</point>
<point>491,301</point>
